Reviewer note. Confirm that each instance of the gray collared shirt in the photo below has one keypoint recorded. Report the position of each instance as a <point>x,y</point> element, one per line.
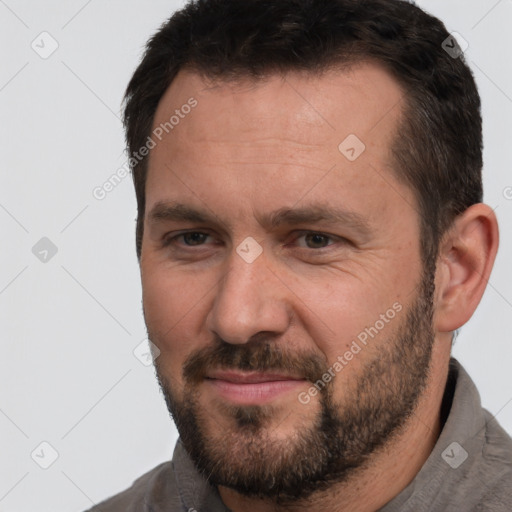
<point>469,469</point>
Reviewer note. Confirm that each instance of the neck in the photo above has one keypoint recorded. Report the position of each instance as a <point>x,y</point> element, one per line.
<point>390,470</point>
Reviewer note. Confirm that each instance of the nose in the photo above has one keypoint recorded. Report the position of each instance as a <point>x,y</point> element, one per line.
<point>250,300</point>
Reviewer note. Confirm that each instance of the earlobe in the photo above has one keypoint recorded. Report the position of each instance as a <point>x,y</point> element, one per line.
<point>466,257</point>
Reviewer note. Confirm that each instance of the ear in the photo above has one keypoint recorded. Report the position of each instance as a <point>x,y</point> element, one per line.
<point>466,257</point>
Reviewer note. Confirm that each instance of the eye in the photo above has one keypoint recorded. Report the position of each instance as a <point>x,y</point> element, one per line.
<point>314,240</point>
<point>194,238</point>
<point>188,239</point>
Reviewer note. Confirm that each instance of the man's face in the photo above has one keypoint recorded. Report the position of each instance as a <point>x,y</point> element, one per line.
<point>288,357</point>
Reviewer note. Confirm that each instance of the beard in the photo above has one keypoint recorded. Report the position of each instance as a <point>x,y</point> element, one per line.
<point>328,448</point>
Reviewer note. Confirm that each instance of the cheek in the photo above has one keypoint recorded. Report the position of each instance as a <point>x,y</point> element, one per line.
<point>173,311</point>
<point>349,320</point>
<point>337,301</point>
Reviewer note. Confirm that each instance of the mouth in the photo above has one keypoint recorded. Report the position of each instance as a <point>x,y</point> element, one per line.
<point>251,388</point>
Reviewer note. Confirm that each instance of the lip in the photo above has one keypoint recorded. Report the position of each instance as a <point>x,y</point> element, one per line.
<point>251,388</point>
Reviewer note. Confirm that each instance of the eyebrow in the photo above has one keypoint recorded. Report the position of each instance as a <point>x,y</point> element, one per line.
<point>169,211</point>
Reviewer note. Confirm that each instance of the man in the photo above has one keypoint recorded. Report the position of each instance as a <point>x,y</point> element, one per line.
<point>310,236</point>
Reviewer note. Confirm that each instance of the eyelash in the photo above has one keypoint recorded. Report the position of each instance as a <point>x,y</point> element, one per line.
<point>168,240</point>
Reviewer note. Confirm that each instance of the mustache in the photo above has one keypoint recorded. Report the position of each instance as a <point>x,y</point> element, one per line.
<point>262,356</point>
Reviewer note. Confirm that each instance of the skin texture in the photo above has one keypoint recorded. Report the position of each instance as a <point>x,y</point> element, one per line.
<point>246,151</point>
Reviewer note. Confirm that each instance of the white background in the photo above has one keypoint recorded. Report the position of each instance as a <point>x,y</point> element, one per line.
<point>69,326</point>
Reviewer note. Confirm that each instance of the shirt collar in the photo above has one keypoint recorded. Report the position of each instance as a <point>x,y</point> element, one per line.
<point>463,434</point>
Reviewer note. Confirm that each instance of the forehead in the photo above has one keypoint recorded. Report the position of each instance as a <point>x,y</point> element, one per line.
<point>270,143</point>
<point>302,106</point>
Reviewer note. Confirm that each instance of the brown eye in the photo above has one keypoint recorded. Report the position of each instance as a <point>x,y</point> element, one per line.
<point>316,240</point>
<point>190,239</point>
<point>194,238</point>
